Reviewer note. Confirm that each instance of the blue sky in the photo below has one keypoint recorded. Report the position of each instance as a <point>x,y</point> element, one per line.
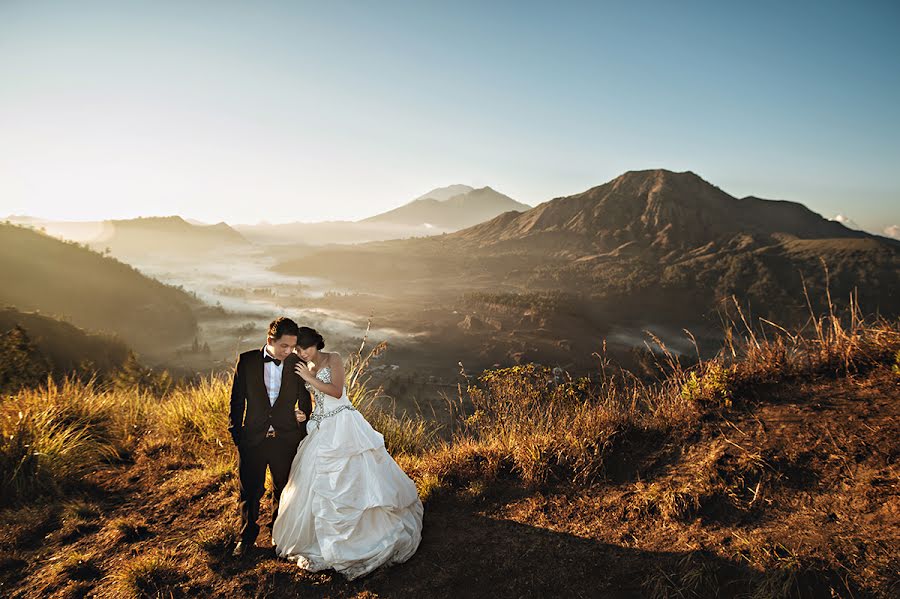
<point>284,111</point>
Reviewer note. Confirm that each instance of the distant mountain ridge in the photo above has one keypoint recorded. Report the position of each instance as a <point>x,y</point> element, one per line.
<point>443,209</point>
<point>137,237</point>
<point>654,209</point>
<point>647,244</point>
<point>167,234</point>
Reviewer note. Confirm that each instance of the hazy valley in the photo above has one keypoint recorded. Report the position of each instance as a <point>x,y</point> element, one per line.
<point>651,252</point>
<point>745,449</point>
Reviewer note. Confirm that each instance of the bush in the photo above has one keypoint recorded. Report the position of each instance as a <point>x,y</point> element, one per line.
<point>713,385</point>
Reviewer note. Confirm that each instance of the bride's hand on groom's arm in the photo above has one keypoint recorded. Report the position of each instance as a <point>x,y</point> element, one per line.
<point>303,372</point>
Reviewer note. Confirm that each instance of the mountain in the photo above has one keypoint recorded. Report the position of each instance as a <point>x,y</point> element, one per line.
<point>170,235</point>
<point>139,237</point>
<point>445,193</point>
<point>656,230</point>
<point>92,291</point>
<point>648,248</point>
<point>441,210</point>
<point>653,209</point>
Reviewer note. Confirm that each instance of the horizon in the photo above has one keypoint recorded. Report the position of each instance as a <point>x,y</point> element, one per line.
<point>342,112</point>
<point>890,232</point>
<point>894,234</point>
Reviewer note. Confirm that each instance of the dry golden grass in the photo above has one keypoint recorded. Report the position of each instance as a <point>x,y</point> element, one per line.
<point>524,426</point>
<point>153,574</point>
<point>53,435</point>
<point>524,421</point>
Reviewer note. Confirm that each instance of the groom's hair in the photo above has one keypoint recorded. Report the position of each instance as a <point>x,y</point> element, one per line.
<point>283,326</point>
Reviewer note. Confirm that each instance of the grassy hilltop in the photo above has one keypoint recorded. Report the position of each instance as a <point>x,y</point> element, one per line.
<point>768,471</point>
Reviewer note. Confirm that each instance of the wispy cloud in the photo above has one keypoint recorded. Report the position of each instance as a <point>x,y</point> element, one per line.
<point>846,221</point>
<point>892,231</point>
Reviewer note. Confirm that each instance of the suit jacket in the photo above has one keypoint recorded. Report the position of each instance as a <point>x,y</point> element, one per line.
<point>251,413</point>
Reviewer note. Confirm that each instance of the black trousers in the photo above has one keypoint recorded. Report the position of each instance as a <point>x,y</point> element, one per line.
<point>277,455</point>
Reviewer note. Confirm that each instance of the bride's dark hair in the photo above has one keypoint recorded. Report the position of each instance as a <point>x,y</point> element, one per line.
<point>309,337</point>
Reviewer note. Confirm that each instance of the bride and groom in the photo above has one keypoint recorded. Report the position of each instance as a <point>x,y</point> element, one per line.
<point>340,501</point>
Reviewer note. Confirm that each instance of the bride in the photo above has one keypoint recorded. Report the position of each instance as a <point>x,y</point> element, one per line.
<point>347,504</point>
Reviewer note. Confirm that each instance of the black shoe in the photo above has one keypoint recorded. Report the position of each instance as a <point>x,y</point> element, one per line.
<point>240,550</point>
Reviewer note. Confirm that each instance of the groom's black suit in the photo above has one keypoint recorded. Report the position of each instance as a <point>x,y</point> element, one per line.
<point>252,415</point>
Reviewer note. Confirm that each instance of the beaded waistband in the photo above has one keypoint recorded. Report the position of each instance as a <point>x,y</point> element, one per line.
<point>320,416</point>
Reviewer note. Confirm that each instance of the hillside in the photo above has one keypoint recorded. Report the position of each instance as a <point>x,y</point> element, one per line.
<point>140,237</point>
<point>93,292</point>
<point>66,347</point>
<point>771,475</point>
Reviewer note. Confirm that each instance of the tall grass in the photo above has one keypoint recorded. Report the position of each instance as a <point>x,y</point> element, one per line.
<point>540,422</point>
<point>402,434</point>
<point>197,412</point>
<point>526,421</point>
<point>54,435</point>
<point>832,343</point>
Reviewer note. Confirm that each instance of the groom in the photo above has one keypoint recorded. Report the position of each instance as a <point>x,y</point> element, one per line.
<point>264,424</point>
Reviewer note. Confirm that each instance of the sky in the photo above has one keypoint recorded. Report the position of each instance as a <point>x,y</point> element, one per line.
<point>309,111</point>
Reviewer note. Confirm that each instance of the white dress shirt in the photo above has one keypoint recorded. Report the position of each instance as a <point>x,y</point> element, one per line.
<point>272,376</point>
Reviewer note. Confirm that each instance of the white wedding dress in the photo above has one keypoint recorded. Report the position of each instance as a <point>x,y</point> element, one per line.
<point>347,504</point>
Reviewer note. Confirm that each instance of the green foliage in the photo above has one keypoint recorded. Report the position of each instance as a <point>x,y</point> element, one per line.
<point>547,301</point>
<point>541,422</point>
<point>67,349</point>
<point>714,385</point>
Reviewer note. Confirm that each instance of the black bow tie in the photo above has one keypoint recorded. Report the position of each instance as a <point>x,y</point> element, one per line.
<point>268,358</point>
